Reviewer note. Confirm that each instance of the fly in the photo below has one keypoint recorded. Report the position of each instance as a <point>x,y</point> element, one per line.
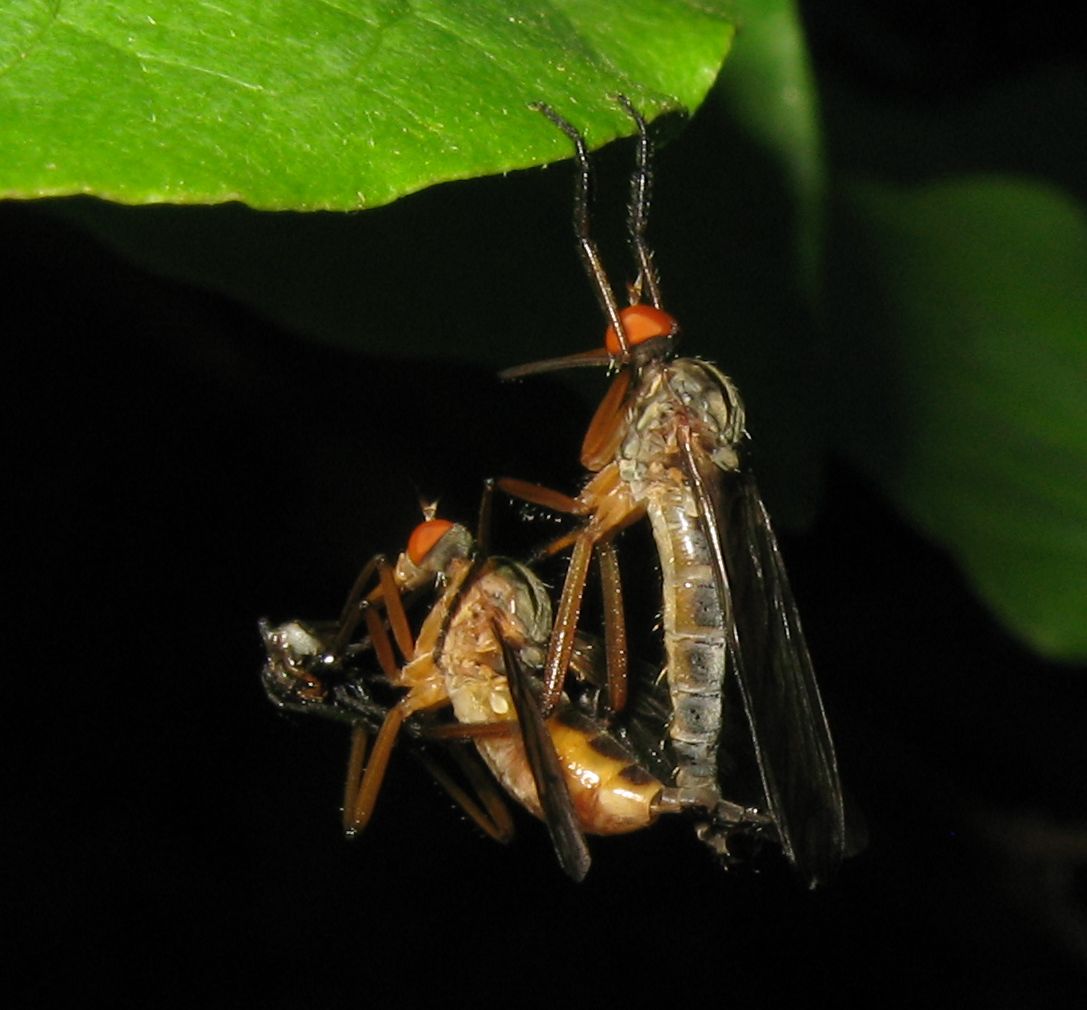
<point>304,674</point>
<point>478,652</point>
<point>668,442</point>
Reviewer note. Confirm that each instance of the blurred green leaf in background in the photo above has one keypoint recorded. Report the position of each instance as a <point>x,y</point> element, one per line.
<point>970,410</point>
<point>899,281</point>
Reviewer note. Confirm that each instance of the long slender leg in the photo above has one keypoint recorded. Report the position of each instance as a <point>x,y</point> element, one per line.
<point>590,255</point>
<point>358,812</point>
<point>553,547</point>
<point>353,608</point>
<point>584,543</point>
<point>383,648</point>
<point>537,494</point>
<point>359,599</point>
<point>356,762</point>
<point>561,645</point>
<point>427,691</point>
<point>363,784</point>
<point>494,819</point>
<point>555,501</point>
<point>615,629</point>
<point>394,608</point>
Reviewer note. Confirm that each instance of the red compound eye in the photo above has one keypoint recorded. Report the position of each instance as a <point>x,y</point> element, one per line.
<point>640,323</point>
<point>424,537</point>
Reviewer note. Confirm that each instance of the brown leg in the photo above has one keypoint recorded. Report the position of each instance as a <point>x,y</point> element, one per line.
<point>473,730</point>
<point>495,819</point>
<point>596,536</point>
<point>394,608</point>
<point>353,607</point>
<point>361,806</point>
<point>615,629</point>
<point>562,634</point>
<point>356,761</point>
<point>383,647</point>
<point>537,494</point>
<point>359,605</point>
<point>556,546</point>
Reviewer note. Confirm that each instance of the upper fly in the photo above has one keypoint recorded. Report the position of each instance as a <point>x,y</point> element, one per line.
<point>668,442</point>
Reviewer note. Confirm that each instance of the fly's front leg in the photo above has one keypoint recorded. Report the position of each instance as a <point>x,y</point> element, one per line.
<point>360,604</point>
<point>364,784</point>
<point>561,644</point>
<point>537,494</point>
<point>353,608</point>
<point>364,778</point>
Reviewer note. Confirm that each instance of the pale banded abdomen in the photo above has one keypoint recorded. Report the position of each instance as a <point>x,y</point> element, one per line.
<point>610,792</point>
<point>694,635</point>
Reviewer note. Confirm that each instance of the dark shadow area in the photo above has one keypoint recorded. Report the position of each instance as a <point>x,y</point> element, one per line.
<point>180,469</point>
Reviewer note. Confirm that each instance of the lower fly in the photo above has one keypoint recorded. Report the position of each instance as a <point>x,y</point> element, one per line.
<point>302,674</point>
<point>478,653</point>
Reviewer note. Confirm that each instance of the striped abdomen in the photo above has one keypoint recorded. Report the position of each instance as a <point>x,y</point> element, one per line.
<point>611,793</point>
<point>694,634</point>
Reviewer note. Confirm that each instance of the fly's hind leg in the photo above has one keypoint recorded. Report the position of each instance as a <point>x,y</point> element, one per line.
<point>721,822</point>
<point>491,813</point>
<point>615,628</point>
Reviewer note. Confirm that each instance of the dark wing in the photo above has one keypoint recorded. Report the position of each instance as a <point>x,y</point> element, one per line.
<point>558,810</point>
<point>766,647</point>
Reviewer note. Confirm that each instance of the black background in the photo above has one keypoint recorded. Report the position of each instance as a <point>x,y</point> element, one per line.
<point>180,467</point>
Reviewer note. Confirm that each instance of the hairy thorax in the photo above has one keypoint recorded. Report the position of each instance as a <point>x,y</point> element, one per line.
<point>684,398</point>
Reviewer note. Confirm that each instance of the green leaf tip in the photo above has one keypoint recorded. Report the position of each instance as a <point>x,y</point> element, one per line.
<point>305,106</point>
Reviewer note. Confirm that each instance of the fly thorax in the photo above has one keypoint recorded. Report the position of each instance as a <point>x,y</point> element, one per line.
<point>521,607</point>
<point>688,394</point>
<point>650,439</point>
<point>712,407</point>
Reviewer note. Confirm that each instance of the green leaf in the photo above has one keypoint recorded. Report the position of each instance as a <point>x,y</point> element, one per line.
<point>961,308</point>
<point>341,105</point>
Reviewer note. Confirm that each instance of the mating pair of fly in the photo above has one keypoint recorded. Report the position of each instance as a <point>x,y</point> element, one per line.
<point>666,443</point>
